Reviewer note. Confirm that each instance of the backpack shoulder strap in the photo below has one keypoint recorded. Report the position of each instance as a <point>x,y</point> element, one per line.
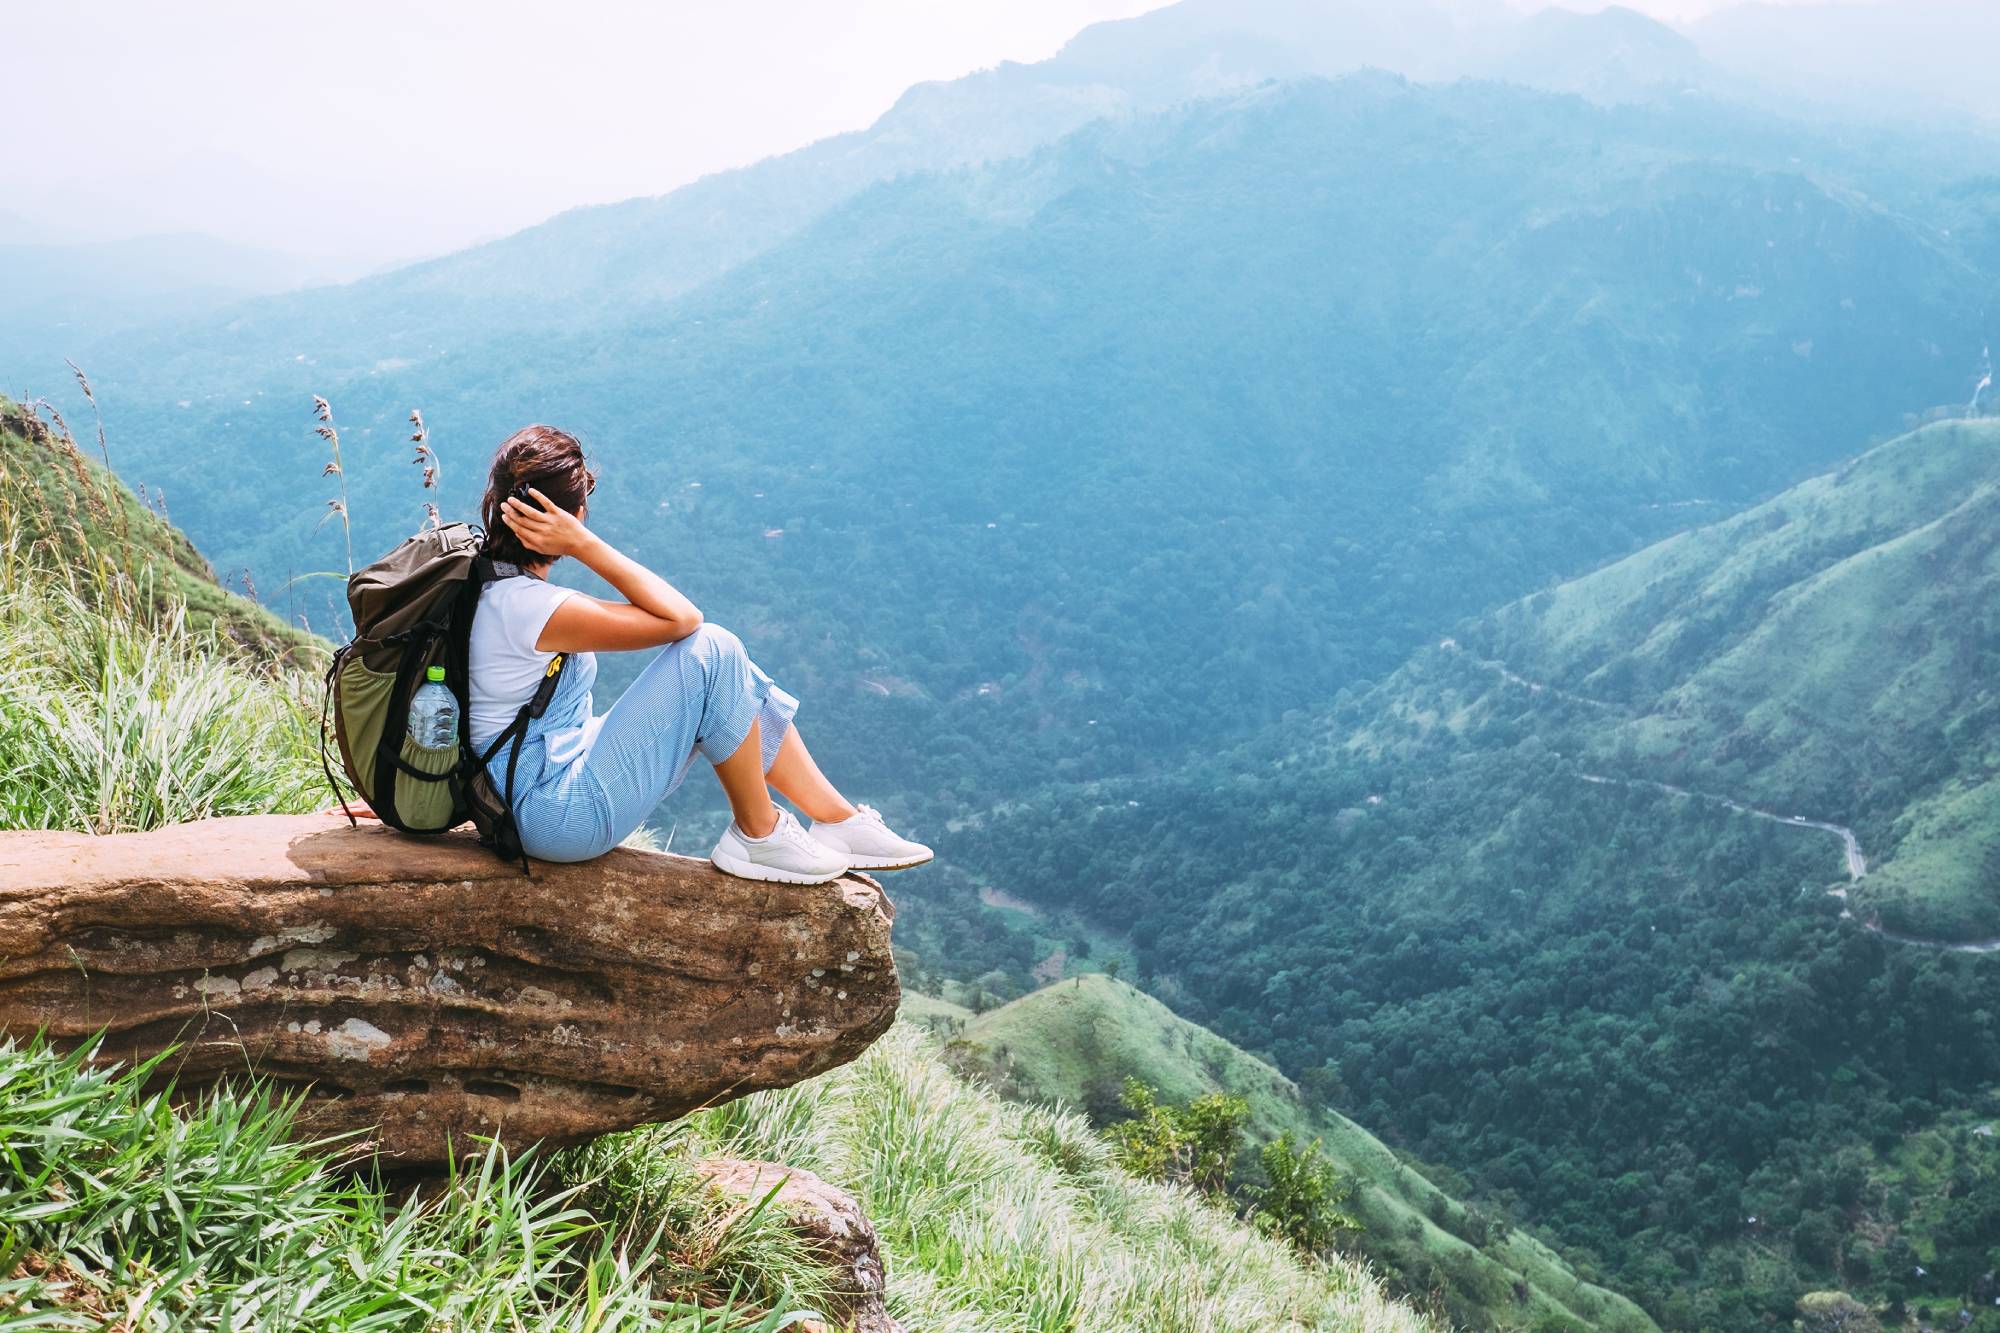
<point>545,690</point>
<point>487,570</point>
<point>517,732</point>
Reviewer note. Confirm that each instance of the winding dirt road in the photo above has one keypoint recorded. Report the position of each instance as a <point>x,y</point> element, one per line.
<point>1857,864</point>
<point>1850,844</point>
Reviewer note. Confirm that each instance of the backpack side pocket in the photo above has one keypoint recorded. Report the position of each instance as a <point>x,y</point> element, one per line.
<point>424,798</point>
<point>365,698</point>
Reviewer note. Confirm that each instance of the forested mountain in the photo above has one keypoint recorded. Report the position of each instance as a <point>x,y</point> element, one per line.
<point>1315,369</point>
<point>1565,901</point>
<point>64,295</point>
<point>1829,652</point>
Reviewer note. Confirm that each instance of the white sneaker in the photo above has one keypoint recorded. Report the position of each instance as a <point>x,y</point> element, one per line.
<point>869,844</point>
<point>787,854</point>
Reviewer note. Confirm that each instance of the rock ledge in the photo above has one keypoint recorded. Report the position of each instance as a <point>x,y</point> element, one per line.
<point>426,992</point>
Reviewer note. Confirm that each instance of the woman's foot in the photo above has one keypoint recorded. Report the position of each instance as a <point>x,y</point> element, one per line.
<point>868,843</point>
<point>787,855</point>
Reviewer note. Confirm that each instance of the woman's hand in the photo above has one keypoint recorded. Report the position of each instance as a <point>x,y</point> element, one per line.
<point>653,612</point>
<point>550,530</point>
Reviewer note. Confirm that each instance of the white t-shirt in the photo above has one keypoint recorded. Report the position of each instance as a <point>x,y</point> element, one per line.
<point>505,666</point>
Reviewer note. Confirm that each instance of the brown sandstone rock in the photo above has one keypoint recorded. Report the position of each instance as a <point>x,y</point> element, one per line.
<point>425,987</point>
<point>827,1217</point>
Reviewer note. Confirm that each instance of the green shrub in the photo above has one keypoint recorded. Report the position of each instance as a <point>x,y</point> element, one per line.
<point>1303,1198</point>
<point>1195,1144</point>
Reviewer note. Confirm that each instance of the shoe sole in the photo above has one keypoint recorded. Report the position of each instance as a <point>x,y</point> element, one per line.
<point>891,865</point>
<point>737,866</point>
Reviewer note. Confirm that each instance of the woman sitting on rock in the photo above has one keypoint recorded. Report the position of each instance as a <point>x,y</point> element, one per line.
<point>584,782</point>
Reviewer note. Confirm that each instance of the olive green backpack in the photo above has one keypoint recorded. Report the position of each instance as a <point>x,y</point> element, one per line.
<point>413,610</point>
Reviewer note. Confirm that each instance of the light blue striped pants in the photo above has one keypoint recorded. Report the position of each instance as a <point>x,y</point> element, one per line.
<point>697,696</point>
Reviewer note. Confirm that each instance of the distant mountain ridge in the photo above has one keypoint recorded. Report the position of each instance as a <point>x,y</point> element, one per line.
<point>1345,359</point>
<point>64,296</point>
<point>1910,58</point>
<point>1184,51</point>
<point>573,266</point>
<point>1615,55</point>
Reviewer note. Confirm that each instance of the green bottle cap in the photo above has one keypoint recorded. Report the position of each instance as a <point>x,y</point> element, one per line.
<point>435,673</point>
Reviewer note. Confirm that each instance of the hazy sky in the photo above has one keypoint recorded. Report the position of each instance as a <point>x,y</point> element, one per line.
<point>389,127</point>
<point>382,129</point>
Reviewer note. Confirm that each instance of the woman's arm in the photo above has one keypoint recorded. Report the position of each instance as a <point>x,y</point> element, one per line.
<point>653,612</point>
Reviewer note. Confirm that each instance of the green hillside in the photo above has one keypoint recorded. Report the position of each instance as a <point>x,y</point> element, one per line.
<point>1075,1042</point>
<point>1638,1018</point>
<point>59,506</point>
<point>1828,653</point>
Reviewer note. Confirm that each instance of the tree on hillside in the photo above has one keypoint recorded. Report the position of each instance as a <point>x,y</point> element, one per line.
<point>1195,1144</point>
<point>1834,1312</point>
<point>1304,1198</point>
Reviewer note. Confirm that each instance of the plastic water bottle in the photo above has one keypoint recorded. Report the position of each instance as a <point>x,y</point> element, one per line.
<point>434,712</point>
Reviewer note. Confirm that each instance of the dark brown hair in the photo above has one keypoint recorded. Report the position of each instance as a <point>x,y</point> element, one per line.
<point>545,458</point>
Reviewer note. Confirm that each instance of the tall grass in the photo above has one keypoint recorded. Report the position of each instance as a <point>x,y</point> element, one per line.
<point>119,715</point>
<point>335,468</point>
<point>117,1210</point>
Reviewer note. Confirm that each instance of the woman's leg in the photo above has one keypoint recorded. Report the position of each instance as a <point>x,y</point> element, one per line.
<point>702,695</point>
<point>743,783</point>
<point>799,780</point>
